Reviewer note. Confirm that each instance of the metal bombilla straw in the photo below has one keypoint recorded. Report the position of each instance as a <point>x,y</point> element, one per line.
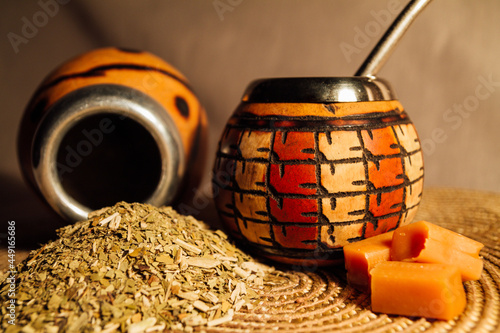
<point>389,40</point>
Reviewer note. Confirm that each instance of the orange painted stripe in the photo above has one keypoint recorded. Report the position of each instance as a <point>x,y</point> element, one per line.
<point>319,109</point>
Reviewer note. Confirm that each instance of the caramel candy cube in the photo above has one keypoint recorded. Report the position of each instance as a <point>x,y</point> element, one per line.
<point>417,289</point>
<point>417,232</point>
<point>362,256</point>
<point>428,243</point>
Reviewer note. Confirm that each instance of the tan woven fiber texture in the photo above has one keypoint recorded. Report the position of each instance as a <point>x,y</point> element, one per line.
<point>319,300</point>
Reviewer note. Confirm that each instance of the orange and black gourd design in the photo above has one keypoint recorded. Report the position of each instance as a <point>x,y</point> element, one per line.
<point>138,70</point>
<point>297,181</point>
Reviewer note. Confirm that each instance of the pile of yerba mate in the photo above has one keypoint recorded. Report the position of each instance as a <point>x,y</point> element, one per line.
<point>133,268</point>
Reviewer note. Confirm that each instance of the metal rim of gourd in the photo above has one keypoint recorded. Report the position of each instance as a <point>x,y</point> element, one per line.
<point>319,90</point>
<point>93,100</point>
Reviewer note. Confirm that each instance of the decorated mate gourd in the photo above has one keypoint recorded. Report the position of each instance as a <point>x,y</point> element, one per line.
<point>308,165</point>
<point>111,125</point>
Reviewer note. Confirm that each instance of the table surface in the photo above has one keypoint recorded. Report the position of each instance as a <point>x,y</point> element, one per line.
<point>320,300</point>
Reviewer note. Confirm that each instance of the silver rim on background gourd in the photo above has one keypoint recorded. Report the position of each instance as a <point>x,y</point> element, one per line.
<point>94,100</point>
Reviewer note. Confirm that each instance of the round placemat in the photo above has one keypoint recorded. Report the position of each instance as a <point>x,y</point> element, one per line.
<point>319,300</point>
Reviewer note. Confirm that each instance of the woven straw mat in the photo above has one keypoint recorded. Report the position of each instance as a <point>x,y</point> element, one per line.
<point>321,301</point>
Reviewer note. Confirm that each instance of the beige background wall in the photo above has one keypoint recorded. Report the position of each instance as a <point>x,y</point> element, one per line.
<point>439,70</point>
